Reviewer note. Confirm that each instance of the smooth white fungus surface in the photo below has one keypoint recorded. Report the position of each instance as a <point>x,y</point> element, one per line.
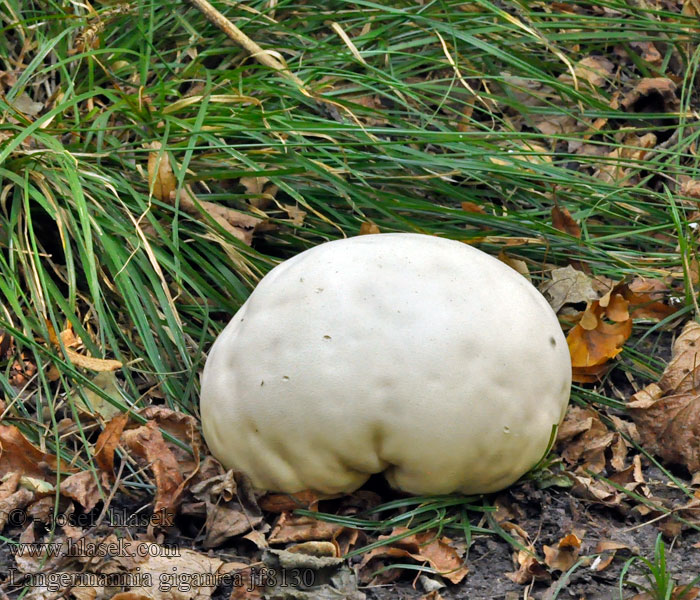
<point>411,355</point>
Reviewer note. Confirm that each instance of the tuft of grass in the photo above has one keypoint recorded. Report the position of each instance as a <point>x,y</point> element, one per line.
<point>661,585</point>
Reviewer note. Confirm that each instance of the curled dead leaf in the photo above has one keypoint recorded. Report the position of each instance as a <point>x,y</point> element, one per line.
<point>368,228</point>
<point>423,547</point>
<point>667,414</point>
<point>147,443</point>
<point>563,221</point>
<point>69,341</point>
<point>85,489</point>
<point>107,443</point>
<point>650,89</point>
<point>160,174</point>
<point>563,556</point>
<point>594,340</point>
<point>18,455</point>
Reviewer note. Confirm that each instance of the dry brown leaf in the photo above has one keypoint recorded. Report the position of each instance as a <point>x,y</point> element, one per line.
<point>278,503</point>
<point>295,528</point>
<point>18,455</point>
<point>107,382</point>
<point>529,570</point>
<point>84,489</point>
<point>147,442</point>
<point>107,443</point>
<point>563,221</point>
<point>595,489</point>
<point>79,360</point>
<point>422,547</point>
<point>230,505</point>
<point>568,286</point>
<point>625,159</point>
<point>261,192</point>
<point>690,188</point>
<point>240,225</point>
<point>584,438</point>
<point>563,556</point>
<point>24,104</point>
<point>594,69</point>
<point>12,498</point>
<point>295,214</point>
<point>182,427</point>
<point>160,174</point>
<point>648,52</point>
<point>473,208</point>
<point>667,414</point>
<point>163,566</point>
<point>226,521</point>
<point>644,297</point>
<point>594,341</point>
<point>651,88</point>
<point>515,263</point>
<point>368,228</point>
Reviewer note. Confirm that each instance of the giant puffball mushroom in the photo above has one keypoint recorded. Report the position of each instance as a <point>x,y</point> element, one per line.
<point>419,357</point>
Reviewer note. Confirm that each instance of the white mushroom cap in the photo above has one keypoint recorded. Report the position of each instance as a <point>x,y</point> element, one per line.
<point>409,354</point>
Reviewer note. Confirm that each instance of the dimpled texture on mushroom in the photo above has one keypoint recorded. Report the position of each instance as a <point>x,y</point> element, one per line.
<point>408,354</point>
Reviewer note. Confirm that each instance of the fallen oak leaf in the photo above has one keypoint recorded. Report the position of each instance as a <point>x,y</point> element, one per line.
<point>298,528</point>
<point>278,503</point>
<point>107,443</point>
<point>593,341</point>
<point>422,547</point>
<point>18,455</point>
<point>563,556</point>
<point>147,442</point>
<point>563,221</point>
<point>568,286</point>
<point>667,414</point>
<point>85,489</point>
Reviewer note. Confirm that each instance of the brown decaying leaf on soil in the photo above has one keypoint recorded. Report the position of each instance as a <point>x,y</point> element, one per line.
<point>563,556</point>
<point>85,489</point>
<point>296,528</point>
<point>588,446</point>
<point>594,341</point>
<point>606,325</point>
<point>107,443</point>
<point>230,505</point>
<point>278,503</point>
<point>18,455</point>
<point>529,568</point>
<point>147,442</point>
<point>652,86</point>
<point>422,547</point>
<point>12,497</point>
<point>667,413</point>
